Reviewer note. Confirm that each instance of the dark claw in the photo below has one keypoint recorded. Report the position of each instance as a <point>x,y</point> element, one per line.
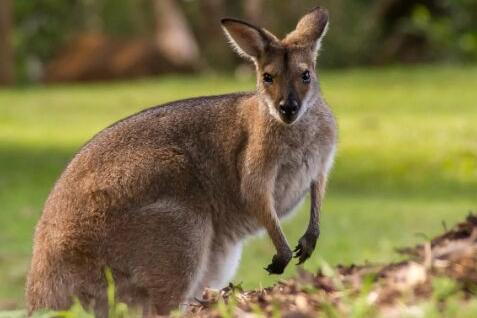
<point>278,264</point>
<point>305,247</point>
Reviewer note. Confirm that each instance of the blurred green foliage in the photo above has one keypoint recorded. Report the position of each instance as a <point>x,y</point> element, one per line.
<point>41,28</point>
<point>451,36</point>
<point>362,31</point>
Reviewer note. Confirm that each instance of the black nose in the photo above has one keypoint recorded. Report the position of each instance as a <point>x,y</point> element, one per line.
<point>289,108</point>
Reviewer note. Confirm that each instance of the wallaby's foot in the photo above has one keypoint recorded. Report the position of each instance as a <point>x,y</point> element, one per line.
<point>279,262</point>
<point>306,246</point>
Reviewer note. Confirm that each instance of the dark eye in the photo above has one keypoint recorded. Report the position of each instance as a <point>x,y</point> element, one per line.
<point>267,78</point>
<point>306,77</point>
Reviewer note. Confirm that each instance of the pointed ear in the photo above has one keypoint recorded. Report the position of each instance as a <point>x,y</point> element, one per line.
<point>247,40</point>
<point>310,30</point>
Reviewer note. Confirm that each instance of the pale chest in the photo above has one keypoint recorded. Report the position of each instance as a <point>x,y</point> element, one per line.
<point>295,173</point>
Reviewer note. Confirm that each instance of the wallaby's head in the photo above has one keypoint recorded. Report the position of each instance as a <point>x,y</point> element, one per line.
<point>286,78</point>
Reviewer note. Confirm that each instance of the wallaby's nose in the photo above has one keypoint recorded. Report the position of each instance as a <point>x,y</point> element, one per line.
<point>289,108</point>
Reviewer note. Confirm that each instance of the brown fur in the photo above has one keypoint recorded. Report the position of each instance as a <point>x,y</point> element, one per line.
<point>165,197</point>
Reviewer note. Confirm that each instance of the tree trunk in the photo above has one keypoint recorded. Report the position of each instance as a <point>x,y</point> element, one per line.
<point>173,37</point>
<point>213,40</point>
<point>6,51</point>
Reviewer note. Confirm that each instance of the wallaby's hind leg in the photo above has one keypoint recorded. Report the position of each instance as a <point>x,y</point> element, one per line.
<point>168,258</point>
<point>223,262</point>
<point>59,273</point>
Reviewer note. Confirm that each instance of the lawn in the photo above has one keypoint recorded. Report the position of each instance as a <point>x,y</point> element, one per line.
<point>406,166</point>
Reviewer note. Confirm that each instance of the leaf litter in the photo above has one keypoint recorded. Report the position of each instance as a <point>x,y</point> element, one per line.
<point>443,267</point>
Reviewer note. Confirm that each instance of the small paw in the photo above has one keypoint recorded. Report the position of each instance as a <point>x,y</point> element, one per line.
<point>306,246</point>
<point>278,264</point>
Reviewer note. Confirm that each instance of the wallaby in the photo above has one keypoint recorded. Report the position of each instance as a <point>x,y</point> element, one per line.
<point>165,198</point>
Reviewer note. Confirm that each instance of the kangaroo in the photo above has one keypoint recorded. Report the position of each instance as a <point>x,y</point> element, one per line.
<point>165,198</point>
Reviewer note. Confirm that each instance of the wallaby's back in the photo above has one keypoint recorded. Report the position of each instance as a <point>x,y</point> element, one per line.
<point>172,152</point>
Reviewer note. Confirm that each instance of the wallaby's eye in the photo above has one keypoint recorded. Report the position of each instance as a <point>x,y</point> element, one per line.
<point>306,77</point>
<point>267,78</point>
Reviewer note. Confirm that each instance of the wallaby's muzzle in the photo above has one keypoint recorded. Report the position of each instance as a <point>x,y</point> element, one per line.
<point>289,109</point>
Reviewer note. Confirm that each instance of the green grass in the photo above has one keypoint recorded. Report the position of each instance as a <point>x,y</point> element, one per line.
<point>407,159</point>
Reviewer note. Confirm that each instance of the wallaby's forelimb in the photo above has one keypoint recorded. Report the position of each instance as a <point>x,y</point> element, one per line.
<point>261,204</point>
<point>269,219</point>
<point>306,244</point>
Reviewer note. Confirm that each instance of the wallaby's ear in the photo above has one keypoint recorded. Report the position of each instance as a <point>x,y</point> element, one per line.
<point>249,41</point>
<point>310,30</point>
